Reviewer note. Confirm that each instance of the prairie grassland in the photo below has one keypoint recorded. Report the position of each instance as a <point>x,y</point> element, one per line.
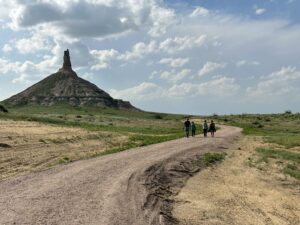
<point>36,137</point>
<point>32,146</point>
<point>282,134</point>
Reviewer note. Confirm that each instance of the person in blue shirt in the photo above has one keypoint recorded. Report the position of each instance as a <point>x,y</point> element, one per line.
<point>193,126</point>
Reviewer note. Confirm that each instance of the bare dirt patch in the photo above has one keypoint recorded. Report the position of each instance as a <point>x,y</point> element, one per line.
<point>235,192</point>
<point>32,146</point>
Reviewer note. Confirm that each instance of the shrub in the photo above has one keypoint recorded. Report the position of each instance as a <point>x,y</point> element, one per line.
<point>215,116</point>
<point>158,116</point>
<point>3,109</point>
<point>258,124</point>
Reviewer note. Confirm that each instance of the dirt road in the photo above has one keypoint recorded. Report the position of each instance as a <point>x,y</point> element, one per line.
<point>128,188</point>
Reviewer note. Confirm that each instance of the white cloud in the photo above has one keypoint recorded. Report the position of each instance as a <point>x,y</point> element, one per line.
<point>143,91</point>
<point>209,67</point>
<point>21,72</point>
<point>161,18</point>
<point>176,44</point>
<point>183,90</point>
<point>5,5</point>
<point>174,62</point>
<point>174,76</point>
<point>6,66</point>
<point>103,57</point>
<point>22,79</point>
<point>92,18</point>
<point>28,71</point>
<point>33,44</point>
<point>245,62</point>
<point>284,82</point>
<point>153,74</point>
<point>169,45</point>
<point>139,50</point>
<point>199,11</point>
<point>260,11</point>
<point>221,86</point>
<point>7,48</point>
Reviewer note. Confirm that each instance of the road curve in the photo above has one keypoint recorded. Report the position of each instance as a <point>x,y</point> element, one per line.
<point>117,189</point>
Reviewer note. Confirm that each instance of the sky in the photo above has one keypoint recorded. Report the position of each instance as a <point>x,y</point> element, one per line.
<point>177,56</point>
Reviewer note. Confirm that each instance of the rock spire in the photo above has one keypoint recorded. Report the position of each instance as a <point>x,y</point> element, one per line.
<point>67,61</point>
<point>65,87</point>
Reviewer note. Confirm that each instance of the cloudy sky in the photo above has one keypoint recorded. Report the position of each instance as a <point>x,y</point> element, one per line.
<point>179,56</point>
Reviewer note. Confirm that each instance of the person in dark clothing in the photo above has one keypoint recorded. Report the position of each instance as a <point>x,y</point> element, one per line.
<point>193,126</point>
<point>212,128</point>
<point>187,127</point>
<point>205,128</point>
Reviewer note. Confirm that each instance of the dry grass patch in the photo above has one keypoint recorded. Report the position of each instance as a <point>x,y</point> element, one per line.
<point>34,146</point>
<point>234,193</point>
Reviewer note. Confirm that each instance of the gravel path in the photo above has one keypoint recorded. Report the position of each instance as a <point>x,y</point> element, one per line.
<point>127,188</point>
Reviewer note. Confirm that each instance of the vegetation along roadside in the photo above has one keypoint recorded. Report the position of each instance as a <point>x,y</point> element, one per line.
<point>280,134</point>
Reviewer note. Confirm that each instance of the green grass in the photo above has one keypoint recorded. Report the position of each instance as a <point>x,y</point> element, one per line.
<point>291,159</point>
<point>279,154</point>
<point>145,128</point>
<point>287,140</point>
<point>63,160</point>
<point>292,170</point>
<point>141,125</point>
<point>64,110</point>
<point>211,158</point>
<point>282,129</point>
<point>142,128</point>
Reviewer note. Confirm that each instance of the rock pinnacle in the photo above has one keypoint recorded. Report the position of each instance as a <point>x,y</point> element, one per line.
<point>65,87</point>
<point>67,61</point>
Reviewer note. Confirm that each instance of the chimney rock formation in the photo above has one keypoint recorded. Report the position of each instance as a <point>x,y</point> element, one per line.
<point>67,61</point>
<point>65,87</point>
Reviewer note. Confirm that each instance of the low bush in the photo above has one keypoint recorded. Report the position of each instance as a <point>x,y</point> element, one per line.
<point>211,158</point>
<point>3,109</point>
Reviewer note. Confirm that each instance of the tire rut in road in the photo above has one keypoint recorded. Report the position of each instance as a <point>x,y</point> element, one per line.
<point>163,181</point>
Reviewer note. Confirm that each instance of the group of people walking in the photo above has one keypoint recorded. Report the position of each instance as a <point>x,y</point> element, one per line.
<point>191,126</point>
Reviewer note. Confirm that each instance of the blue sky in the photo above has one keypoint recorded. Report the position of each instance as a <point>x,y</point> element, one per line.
<point>194,57</point>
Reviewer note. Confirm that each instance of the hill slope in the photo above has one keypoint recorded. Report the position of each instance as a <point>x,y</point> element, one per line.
<point>65,86</point>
